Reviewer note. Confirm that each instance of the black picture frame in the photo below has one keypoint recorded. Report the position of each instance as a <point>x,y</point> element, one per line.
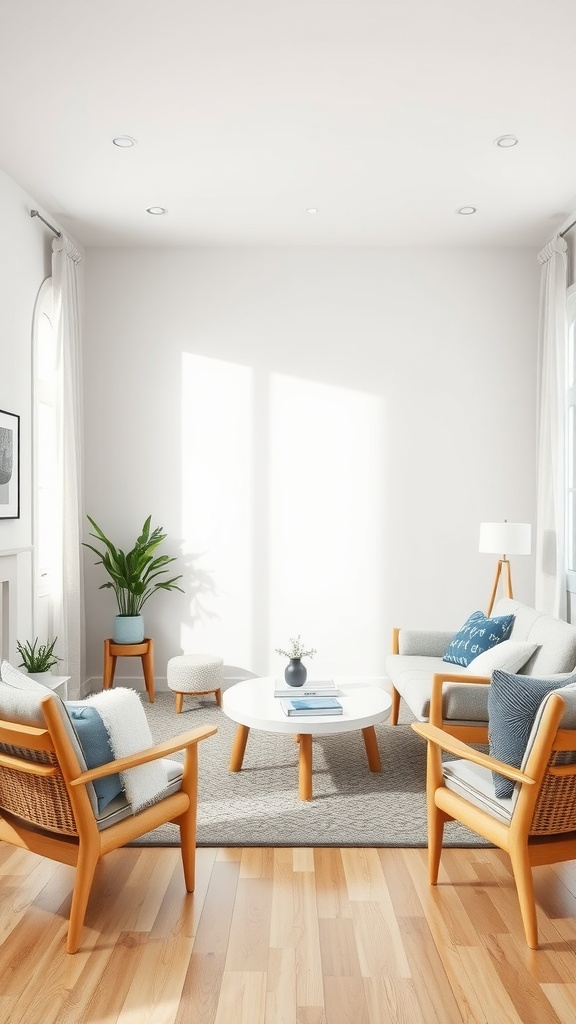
<point>9,465</point>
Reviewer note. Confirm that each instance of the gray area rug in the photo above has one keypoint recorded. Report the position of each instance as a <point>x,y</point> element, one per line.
<point>259,806</point>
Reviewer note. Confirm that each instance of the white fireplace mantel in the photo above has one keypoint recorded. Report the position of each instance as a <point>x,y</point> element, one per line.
<point>15,599</point>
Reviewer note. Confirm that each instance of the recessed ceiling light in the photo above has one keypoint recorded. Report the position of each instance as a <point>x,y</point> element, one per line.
<point>506,141</point>
<point>124,141</point>
<point>157,211</point>
<point>466,211</point>
<point>312,209</point>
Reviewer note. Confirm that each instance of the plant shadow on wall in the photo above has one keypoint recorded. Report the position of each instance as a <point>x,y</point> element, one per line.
<point>200,588</point>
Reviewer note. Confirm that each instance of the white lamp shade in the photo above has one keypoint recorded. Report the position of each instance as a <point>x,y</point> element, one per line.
<point>505,538</point>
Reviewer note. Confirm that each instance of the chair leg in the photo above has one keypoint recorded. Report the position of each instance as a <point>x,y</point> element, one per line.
<point>187,821</point>
<point>436,821</point>
<point>395,709</point>
<point>85,868</point>
<point>525,886</point>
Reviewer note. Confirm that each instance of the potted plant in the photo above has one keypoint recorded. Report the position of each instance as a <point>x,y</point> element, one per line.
<point>295,673</point>
<point>37,658</point>
<point>134,577</point>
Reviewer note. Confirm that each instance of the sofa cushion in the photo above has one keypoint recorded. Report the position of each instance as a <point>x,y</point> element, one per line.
<point>475,784</point>
<point>510,656</point>
<point>411,676</point>
<point>478,634</point>
<point>556,639</point>
<point>513,703</point>
<point>93,739</point>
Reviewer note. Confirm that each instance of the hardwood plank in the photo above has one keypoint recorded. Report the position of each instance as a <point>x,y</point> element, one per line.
<point>331,890</point>
<point>201,989</point>
<point>303,858</point>
<point>345,1000</point>
<point>242,998</point>
<point>339,949</point>
<point>429,980</point>
<point>393,1001</point>
<point>256,862</point>
<point>214,925</point>
<point>562,999</point>
<point>248,943</point>
<point>282,905</point>
<point>281,987</point>
<point>379,942</point>
<point>309,987</point>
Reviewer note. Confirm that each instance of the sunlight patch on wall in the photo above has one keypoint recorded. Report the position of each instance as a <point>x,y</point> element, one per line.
<point>326,523</point>
<point>217,504</point>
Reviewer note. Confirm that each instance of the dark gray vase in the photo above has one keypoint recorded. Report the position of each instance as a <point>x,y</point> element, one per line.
<point>295,673</point>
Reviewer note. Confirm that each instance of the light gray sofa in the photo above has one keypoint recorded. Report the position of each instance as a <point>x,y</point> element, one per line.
<point>417,658</point>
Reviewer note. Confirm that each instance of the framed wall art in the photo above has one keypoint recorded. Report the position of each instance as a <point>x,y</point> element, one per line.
<point>9,465</point>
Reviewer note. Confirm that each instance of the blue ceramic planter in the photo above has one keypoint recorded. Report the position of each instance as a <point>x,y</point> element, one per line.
<point>128,629</point>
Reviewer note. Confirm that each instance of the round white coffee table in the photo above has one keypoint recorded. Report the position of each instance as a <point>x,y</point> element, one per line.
<point>252,704</point>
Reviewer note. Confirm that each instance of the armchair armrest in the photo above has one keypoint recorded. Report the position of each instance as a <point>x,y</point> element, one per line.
<point>438,680</point>
<point>431,643</point>
<point>454,746</point>
<point>121,764</point>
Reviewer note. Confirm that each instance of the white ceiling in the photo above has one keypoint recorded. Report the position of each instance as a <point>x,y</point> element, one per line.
<point>380,113</point>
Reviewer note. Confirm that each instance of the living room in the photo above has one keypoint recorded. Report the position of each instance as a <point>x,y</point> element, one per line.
<point>319,408</point>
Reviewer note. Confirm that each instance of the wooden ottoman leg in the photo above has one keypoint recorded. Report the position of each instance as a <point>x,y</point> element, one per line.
<point>179,701</point>
<point>237,755</point>
<point>305,767</point>
<point>218,695</point>
<point>371,744</point>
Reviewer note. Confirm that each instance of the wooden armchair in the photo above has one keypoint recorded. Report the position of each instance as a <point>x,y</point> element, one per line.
<point>46,806</point>
<point>537,825</point>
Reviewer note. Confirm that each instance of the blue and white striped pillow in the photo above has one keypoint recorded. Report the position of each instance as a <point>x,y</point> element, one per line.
<point>513,703</point>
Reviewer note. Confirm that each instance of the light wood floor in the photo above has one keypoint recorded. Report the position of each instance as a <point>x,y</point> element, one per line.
<point>284,936</point>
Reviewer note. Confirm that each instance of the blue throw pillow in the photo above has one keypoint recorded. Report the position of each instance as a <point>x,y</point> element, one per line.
<point>93,738</point>
<point>513,702</point>
<point>478,634</point>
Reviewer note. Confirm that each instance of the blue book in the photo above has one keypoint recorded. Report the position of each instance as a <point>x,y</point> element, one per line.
<point>311,706</point>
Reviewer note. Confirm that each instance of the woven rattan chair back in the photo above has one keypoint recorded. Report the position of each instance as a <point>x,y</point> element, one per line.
<point>32,787</point>
<point>555,808</point>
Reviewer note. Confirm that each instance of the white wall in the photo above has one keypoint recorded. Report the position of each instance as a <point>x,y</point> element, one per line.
<point>320,432</point>
<point>25,256</point>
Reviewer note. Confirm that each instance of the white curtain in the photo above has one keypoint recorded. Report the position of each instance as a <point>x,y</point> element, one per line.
<point>68,591</point>
<point>551,476</point>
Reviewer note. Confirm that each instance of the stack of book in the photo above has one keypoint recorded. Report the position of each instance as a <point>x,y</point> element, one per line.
<point>295,706</point>
<point>313,688</point>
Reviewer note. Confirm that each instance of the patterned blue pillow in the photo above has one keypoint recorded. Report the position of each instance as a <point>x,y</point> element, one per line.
<point>478,634</point>
<point>95,743</point>
<point>513,702</point>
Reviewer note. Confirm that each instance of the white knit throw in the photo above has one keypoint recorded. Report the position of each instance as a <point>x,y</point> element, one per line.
<point>129,733</point>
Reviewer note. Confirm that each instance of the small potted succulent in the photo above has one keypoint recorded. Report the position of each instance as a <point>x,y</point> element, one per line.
<point>37,658</point>
<point>295,672</point>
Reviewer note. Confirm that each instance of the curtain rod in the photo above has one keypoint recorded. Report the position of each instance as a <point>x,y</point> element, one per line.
<point>566,230</point>
<point>34,213</point>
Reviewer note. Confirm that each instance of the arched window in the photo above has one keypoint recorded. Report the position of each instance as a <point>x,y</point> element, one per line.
<point>45,458</point>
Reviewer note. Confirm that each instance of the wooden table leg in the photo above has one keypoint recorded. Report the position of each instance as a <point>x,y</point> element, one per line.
<point>148,670</point>
<point>109,667</point>
<point>237,755</point>
<point>305,766</point>
<point>371,744</point>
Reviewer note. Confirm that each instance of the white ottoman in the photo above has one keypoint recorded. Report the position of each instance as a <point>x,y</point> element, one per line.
<point>195,673</point>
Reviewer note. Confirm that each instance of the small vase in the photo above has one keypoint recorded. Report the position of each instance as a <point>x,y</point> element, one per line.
<point>128,629</point>
<point>295,673</point>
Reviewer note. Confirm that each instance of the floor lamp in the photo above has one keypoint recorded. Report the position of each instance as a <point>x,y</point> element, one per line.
<point>515,539</point>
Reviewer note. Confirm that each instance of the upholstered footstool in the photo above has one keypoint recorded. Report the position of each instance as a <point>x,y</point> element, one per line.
<point>195,673</point>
